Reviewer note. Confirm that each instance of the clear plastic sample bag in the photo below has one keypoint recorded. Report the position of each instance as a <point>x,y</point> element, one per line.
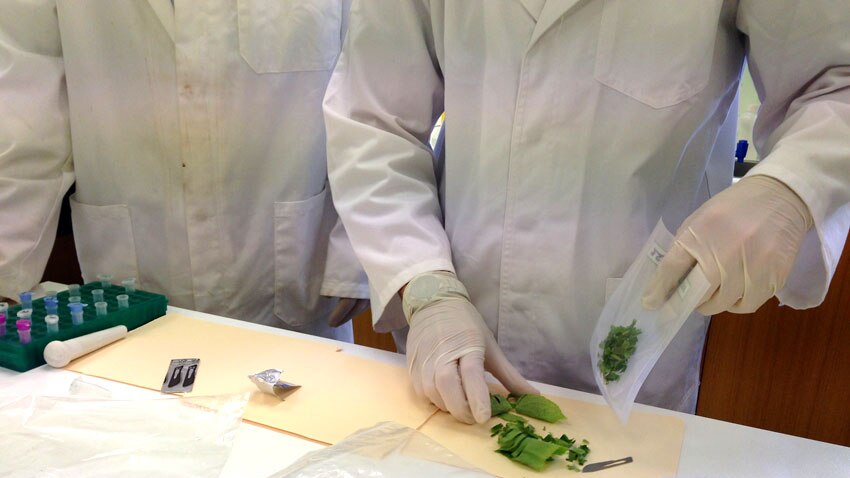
<point>385,450</point>
<point>628,339</point>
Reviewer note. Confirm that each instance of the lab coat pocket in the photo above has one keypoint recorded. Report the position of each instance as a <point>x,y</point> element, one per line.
<point>301,242</point>
<point>104,240</point>
<point>657,52</point>
<point>277,36</point>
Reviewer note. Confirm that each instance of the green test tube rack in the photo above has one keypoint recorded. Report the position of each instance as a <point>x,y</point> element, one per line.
<point>143,307</point>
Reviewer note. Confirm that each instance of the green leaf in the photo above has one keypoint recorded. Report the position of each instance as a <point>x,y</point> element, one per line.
<point>540,407</point>
<point>499,405</point>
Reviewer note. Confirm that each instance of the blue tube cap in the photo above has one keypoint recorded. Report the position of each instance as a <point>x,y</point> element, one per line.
<point>76,306</point>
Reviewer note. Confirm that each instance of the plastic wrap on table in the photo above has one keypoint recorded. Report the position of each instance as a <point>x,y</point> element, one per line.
<point>94,436</point>
<point>385,450</point>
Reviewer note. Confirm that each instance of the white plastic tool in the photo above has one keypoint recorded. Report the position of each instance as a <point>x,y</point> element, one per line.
<point>59,352</point>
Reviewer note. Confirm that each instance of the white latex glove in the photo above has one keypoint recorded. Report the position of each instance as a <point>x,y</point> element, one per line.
<point>449,347</point>
<point>745,239</point>
<point>346,309</point>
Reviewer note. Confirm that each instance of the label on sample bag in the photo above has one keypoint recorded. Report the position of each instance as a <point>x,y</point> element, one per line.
<point>181,375</point>
<point>656,254</point>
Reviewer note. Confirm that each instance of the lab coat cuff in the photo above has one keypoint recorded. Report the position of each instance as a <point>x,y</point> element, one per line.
<point>386,319</point>
<point>818,257</point>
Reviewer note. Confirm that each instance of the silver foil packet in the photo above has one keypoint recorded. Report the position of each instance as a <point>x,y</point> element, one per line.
<point>268,381</point>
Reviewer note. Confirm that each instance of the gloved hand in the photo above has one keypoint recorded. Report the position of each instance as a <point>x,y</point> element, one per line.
<point>346,309</point>
<point>745,239</point>
<point>449,347</point>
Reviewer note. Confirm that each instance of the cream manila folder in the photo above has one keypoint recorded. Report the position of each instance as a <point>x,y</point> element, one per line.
<point>653,441</point>
<point>339,393</point>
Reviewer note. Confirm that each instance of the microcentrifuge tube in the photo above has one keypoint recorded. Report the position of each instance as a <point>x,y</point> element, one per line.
<point>52,322</point>
<point>100,309</point>
<point>123,301</point>
<point>129,285</point>
<point>74,290</point>
<point>51,305</point>
<point>97,295</point>
<point>24,327</point>
<point>75,299</point>
<point>2,324</point>
<point>105,280</point>
<point>25,314</point>
<point>26,300</point>
<point>76,312</point>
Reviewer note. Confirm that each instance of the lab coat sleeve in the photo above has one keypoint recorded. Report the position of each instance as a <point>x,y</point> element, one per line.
<point>344,276</point>
<point>35,164</point>
<point>382,101</point>
<point>799,57</point>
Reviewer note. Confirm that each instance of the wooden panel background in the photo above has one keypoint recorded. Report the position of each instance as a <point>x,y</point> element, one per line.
<point>365,335</point>
<point>782,369</point>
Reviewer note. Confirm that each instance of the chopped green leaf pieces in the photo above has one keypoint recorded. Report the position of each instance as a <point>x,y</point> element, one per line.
<point>563,440</point>
<point>499,405</point>
<point>579,453</point>
<point>519,441</point>
<point>539,407</point>
<point>535,453</point>
<point>510,417</point>
<point>617,349</point>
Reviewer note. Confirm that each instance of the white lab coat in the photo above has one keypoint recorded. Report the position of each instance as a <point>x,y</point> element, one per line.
<point>571,127</point>
<point>197,144</point>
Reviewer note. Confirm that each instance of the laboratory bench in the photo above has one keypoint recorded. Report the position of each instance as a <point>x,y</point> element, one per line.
<point>710,448</point>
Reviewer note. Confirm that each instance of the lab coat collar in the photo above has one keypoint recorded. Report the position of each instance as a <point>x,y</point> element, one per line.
<point>552,11</point>
<point>165,12</point>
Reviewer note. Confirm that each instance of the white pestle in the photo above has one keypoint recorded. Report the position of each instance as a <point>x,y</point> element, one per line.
<point>59,352</point>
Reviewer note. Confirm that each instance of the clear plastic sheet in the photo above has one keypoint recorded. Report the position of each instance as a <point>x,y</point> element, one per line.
<point>385,450</point>
<point>94,435</point>
<point>657,327</point>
